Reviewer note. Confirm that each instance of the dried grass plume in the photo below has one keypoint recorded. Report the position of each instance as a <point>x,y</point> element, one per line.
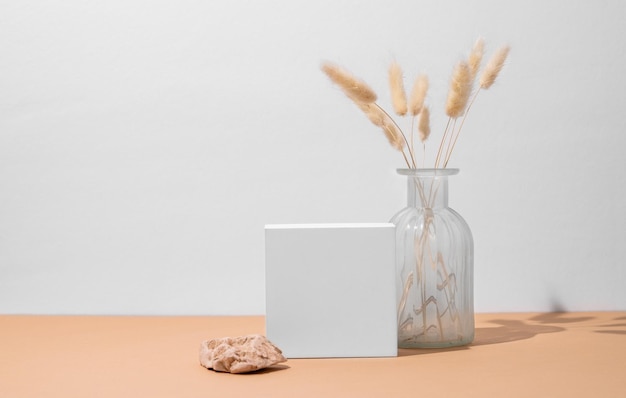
<point>459,101</point>
<point>424,124</point>
<point>476,56</point>
<point>356,89</point>
<point>493,67</point>
<point>374,114</point>
<point>396,85</point>
<point>418,94</point>
<point>393,135</point>
<point>460,89</point>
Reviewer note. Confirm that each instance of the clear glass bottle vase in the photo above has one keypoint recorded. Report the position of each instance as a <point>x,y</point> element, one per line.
<point>434,265</point>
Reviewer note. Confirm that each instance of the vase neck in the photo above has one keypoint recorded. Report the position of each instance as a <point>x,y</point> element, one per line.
<point>428,192</point>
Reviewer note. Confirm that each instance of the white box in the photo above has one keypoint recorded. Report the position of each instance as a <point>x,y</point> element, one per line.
<point>330,289</point>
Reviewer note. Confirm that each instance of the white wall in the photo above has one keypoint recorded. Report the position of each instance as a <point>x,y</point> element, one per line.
<point>144,144</point>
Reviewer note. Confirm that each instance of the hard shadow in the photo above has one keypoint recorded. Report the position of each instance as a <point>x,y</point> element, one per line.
<point>271,369</point>
<point>622,332</point>
<point>511,330</point>
<point>614,325</point>
<point>560,317</point>
<point>621,325</point>
<point>407,352</point>
<point>514,330</point>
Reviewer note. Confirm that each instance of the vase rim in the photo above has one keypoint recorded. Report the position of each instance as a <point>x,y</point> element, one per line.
<point>428,172</point>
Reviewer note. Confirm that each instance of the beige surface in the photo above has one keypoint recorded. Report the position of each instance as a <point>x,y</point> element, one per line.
<point>525,355</point>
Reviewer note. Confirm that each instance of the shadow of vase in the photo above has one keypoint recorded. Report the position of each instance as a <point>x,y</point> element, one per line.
<point>511,330</point>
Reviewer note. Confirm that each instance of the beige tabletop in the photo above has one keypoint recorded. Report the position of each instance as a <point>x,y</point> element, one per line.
<point>514,355</point>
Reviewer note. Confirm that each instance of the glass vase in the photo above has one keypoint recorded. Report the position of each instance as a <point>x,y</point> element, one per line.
<point>434,265</point>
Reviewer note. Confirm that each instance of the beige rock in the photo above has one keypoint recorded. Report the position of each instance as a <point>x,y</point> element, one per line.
<point>239,354</point>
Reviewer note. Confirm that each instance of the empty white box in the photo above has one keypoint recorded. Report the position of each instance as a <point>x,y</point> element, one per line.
<point>330,289</point>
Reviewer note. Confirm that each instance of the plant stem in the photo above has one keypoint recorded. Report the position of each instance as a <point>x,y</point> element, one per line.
<point>447,158</point>
<point>412,135</point>
<point>443,140</point>
<point>452,132</point>
<point>406,159</point>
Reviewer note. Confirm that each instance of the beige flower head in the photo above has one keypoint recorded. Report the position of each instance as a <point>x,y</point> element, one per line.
<point>460,89</point>
<point>493,68</point>
<point>354,88</point>
<point>393,135</point>
<point>424,124</point>
<point>418,94</point>
<point>396,85</point>
<point>476,56</point>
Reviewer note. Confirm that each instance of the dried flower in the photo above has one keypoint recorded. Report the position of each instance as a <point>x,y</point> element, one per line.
<point>393,135</point>
<point>418,94</point>
<point>476,56</point>
<point>424,124</point>
<point>493,67</point>
<point>458,103</point>
<point>460,89</point>
<point>355,89</point>
<point>373,113</point>
<point>396,85</point>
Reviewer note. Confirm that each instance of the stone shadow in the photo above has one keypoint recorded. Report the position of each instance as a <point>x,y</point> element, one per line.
<point>271,369</point>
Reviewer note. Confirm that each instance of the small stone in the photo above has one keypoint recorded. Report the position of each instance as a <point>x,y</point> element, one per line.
<point>239,354</point>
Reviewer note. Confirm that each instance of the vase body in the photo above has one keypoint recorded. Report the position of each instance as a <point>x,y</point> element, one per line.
<point>434,265</point>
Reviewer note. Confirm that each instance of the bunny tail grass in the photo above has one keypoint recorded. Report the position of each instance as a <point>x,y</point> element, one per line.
<point>493,67</point>
<point>460,89</point>
<point>393,136</point>
<point>396,85</point>
<point>424,124</point>
<point>373,113</point>
<point>476,56</point>
<point>354,88</point>
<point>418,94</point>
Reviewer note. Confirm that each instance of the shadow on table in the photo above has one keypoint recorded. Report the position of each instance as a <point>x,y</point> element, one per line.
<point>271,369</point>
<point>611,326</point>
<point>510,330</point>
<point>622,332</point>
<point>560,317</point>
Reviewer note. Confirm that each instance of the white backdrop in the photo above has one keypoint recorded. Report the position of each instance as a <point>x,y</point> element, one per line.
<point>144,145</point>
